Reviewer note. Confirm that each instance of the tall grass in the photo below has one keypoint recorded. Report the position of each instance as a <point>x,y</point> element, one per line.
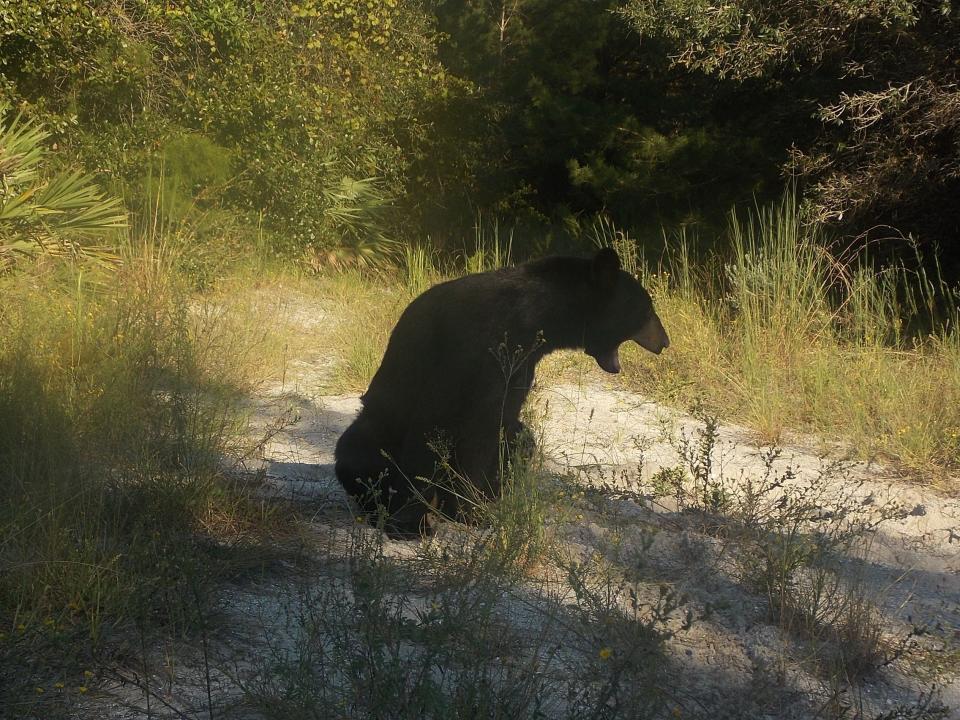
<point>782,335</point>
<point>420,266</point>
<point>490,250</point>
<point>118,398</point>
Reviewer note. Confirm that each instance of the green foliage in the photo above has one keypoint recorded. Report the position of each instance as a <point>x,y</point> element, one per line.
<point>746,38</point>
<point>58,214</point>
<point>195,164</point>
<point>884,77</point>
<point>569,115</point>
<point>270,108</point>
<point>793,532</point>
<point>336,127</point>
<point>355,211</point>
<point>797,535</point>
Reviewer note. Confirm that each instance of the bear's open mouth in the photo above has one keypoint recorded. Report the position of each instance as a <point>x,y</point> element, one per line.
<point>609,361</point>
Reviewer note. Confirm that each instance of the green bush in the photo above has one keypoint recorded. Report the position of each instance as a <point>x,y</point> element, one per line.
<point>266,108</point>
<point>61,213</point>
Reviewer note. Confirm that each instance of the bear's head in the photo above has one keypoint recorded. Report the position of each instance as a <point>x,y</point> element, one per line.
<point>621,310</point>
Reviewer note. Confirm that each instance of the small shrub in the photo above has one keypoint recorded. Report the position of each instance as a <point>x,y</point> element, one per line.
<point>798,541</point>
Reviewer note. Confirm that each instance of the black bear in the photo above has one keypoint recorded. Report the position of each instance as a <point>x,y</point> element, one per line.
<point>458,367</point>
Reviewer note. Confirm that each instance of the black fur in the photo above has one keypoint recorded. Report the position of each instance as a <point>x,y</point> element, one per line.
<point>452,378</point>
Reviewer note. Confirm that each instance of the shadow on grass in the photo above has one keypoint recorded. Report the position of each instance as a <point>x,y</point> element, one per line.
<point>370,627</point>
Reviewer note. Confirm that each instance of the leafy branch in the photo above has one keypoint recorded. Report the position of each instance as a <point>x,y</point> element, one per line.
<point>65,214</point>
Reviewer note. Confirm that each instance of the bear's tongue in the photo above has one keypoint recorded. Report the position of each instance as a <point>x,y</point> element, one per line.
<point>609,361</point>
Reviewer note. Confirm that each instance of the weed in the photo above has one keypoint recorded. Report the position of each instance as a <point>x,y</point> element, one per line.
<point>489,251</point>
<point>798,541</point>
<point>697,452</point>
<point>457,631</point>
<point>376,641</point>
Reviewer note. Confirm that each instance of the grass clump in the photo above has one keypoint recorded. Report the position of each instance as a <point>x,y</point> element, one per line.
<point>119,405</point>
<point>784,336</point>
<point>800,545</point>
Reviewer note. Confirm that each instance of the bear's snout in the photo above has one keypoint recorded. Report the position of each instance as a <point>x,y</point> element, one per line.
<point>652,336</point>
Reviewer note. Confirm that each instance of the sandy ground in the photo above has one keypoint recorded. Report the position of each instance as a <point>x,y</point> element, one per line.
<point>602,436</point>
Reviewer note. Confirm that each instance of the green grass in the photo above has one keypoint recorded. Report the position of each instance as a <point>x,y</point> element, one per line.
<point>119,393</point>
<point>780,336</point>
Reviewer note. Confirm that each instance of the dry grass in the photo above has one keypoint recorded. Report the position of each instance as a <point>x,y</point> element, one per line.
<point>781,338</point>
<point>121,396</point>
<point>154,406</point>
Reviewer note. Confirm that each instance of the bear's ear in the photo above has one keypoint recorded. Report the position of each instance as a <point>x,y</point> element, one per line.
<point>606,267</point>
